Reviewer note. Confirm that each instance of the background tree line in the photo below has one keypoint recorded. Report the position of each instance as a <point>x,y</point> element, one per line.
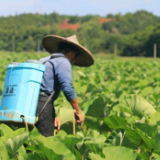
<point>134,34</point>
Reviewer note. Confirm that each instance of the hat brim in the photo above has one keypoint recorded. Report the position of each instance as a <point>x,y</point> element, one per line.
<point>84,59</point>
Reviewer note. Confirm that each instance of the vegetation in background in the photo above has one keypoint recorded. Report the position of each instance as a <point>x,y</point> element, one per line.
<point>133,34</point>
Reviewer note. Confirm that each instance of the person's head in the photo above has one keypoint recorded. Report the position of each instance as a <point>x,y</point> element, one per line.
<point>69,50</point>
<point>70,47</point>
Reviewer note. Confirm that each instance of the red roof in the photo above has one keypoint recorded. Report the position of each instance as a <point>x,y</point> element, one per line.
<point>66,25</point>
<point>104,20</point>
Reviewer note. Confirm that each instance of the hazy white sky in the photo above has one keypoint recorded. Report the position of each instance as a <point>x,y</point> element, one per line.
<point>78,7</point>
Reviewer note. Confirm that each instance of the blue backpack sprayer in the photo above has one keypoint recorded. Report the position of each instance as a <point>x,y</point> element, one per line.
<point>21,92</point>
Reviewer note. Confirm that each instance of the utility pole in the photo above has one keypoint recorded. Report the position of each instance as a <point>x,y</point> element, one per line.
<point>155,50</point>
<point>115,49</point>
<point>38,46</point>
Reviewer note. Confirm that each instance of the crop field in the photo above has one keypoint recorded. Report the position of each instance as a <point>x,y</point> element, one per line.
<point>120,99</point>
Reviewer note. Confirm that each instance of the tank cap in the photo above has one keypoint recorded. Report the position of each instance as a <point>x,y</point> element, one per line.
<point>33,61</point>
<point>14,63</point>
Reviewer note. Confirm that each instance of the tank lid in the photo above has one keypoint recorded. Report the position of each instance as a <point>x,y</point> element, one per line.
<point>14,63</point>
<point>33,61</point>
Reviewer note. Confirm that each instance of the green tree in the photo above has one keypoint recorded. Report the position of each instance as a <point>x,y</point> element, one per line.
<point>30,44</point>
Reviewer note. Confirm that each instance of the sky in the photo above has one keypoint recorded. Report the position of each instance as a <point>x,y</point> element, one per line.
<point>78,7</point>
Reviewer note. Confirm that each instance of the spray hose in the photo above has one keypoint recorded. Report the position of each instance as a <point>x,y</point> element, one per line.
<point>26,124</point>
<point>74,122</point>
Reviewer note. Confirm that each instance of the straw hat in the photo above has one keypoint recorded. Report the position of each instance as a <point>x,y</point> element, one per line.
<point>85,58</point>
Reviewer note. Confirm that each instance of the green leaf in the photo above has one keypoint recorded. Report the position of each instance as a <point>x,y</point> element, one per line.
<point>148,128</point>
<point>96,147</point>
<point>3,152</point>
<point>94,156</point>
<point>155,118</point>
<point>50,152</point>
<point>34,156</point>
<point>116,137</point>
<point>96,123</point>
<point>5,130</point>
<point>65,115</point>
<point>13,144</point>
<point>142,139</point>
<point>139,105</point>
<point>97,108</point>
<point>96,135</point>
<point>146,91</point>
<point>119,153</point>
<point>52,146</point>
<point>116,153</point>
<point>68,140</point>
<point>116,122</point>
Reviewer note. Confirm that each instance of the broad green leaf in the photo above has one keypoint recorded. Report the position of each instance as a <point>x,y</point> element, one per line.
<point>143,83</point>
<point>80,88</point>
<point>155,118</point>
<point>143,156</point>
<point>116,137</point>
<point>116,153</point>
<point>156,156</point>
<point>94,156</point>
<point>65,115</point>
<point>96,147</point>
<point>51,146</point>
<point>81,74</point>
<point>3,152</point>
<point>50,153</point>
<point>76,153</point>
<point>96,123</point>
<point>13,144</point>
<point>68,140</point>
<point>5,130</point>
<point>97,109</point>
<point>139,105</point>
<point>61,133</point>
<point>148,128</point>
<point>96,135</point>
<point>119,153</point>
<point>116,122</point>
<point>34,156</point>
<point>146,91</point>
<point>140,138</point>
<point>128,143</point>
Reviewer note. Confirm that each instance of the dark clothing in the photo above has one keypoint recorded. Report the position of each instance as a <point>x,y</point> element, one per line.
<point>45,124</point>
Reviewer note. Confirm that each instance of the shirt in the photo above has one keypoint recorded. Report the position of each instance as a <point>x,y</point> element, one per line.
<point>57,76</point>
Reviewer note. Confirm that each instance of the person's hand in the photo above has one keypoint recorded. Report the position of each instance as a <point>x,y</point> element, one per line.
<point>57,124</point>
<point>80,118</point>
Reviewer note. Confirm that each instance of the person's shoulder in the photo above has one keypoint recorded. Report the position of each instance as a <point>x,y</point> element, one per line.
<point>64,62</point>
<point>61,62</point>
<point>43,59</point>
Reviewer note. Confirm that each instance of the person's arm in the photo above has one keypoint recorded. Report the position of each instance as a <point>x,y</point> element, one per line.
<point>75,105</point>
<point>65,81</point>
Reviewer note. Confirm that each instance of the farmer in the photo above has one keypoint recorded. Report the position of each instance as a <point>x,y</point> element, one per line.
<point>58,76</point>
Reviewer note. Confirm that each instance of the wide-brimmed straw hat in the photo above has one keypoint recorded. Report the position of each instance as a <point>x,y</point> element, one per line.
<point>85,58</point>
